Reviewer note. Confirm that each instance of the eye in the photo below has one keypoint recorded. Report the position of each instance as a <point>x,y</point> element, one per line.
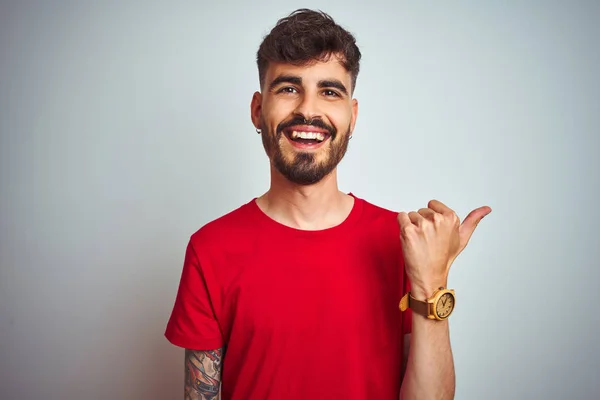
<point>330,93</point>
<point>287,89</point>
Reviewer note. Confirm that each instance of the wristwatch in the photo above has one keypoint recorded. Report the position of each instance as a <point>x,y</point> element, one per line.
<point>439,306</point>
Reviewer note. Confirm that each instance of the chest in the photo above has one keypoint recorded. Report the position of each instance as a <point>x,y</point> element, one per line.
<point>307,289</point>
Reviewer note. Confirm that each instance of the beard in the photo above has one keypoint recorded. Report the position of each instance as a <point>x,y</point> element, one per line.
<point>304,169</point>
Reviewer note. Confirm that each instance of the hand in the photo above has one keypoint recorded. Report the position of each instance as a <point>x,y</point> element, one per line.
<point>431,239</point>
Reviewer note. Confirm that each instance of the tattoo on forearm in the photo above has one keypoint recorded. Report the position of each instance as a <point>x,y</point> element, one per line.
<point>203,374</point>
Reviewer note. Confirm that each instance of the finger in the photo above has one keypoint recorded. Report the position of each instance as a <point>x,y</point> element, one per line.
<point>415,218</point>
<point>470,223</point>
<point>427,213</point>
<point>440,207</point>
<point>404,221</point>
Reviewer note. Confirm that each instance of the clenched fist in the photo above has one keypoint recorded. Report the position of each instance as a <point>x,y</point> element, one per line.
<point>431,239</point>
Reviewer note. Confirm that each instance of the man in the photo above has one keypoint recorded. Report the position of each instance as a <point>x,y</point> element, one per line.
<point>295,295</point>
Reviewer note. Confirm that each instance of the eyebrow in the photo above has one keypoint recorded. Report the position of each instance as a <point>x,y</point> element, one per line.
<point>296,80</point>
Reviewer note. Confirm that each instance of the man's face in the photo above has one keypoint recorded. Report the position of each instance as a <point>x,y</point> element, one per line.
<point>306,114</point>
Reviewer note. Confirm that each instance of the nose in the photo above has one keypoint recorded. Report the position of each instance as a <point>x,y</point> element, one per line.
<point>307,108</point>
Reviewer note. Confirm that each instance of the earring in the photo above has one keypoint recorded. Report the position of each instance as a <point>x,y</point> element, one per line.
<point>258,131</point>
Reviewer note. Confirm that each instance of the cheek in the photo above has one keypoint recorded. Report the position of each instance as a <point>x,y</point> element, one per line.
<point>341,118</point>
<point>274,112</point>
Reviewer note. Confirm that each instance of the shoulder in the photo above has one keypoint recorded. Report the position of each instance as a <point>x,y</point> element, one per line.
<point>381,230</point>
<point>378,215</point>
<point>228,228</point>
<point>378,211</point>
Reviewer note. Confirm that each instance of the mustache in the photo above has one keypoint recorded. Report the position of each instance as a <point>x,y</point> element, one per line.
<point>299,121</point>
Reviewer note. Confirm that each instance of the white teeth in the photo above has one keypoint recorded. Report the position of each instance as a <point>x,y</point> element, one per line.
<point>308,135</point>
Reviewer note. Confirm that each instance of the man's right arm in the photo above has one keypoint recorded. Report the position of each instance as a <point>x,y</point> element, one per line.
<point>203,374</point>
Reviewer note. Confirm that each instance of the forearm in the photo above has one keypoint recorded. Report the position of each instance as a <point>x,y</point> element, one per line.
<point>192,393</point>
<point>430,367</point>
<point>203,374</point>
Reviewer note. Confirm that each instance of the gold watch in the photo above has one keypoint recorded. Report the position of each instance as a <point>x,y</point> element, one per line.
<point>439,306</point>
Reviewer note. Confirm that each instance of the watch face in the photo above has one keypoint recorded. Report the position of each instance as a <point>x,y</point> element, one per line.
<point>445,305</point>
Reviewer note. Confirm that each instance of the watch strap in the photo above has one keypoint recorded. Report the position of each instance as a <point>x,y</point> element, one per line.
<point>418,306</point>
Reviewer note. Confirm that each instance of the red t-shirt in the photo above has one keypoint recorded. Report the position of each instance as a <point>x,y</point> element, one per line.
<point>301,314</point>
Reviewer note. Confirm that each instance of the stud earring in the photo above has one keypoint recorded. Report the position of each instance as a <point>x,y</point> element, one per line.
<point>258,131</point>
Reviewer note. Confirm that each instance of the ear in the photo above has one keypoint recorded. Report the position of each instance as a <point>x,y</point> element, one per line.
<point>255,109</point>
<point>354,114</point>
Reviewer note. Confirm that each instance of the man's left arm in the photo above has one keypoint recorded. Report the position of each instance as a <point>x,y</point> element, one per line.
<point>431,239</point>
<point>429,365</point>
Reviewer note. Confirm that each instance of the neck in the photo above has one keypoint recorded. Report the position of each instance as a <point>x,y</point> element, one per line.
<point>307,207</point>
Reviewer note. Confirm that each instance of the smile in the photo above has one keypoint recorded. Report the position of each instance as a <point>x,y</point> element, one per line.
<point>300,136</point>
<point>306,139</point>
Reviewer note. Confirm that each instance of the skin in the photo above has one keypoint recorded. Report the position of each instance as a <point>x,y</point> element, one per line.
<point>320,205</point>
<point>203,374</point>
<point>298,92</point>
<point>431,237</point>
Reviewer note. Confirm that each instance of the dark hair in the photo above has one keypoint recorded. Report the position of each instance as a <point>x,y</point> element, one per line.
<point>306,36</point>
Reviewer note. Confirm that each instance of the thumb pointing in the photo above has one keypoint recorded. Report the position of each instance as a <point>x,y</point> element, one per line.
<point>470,223</point>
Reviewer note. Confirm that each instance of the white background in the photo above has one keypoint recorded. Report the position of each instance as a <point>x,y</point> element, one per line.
<point>125,127</point>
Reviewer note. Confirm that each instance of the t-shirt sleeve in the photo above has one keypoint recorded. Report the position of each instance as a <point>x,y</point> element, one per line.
<point>193,324</point>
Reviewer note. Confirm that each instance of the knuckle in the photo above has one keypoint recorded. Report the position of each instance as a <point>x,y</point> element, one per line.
<point>409,230</point>
<point>455,218</point>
